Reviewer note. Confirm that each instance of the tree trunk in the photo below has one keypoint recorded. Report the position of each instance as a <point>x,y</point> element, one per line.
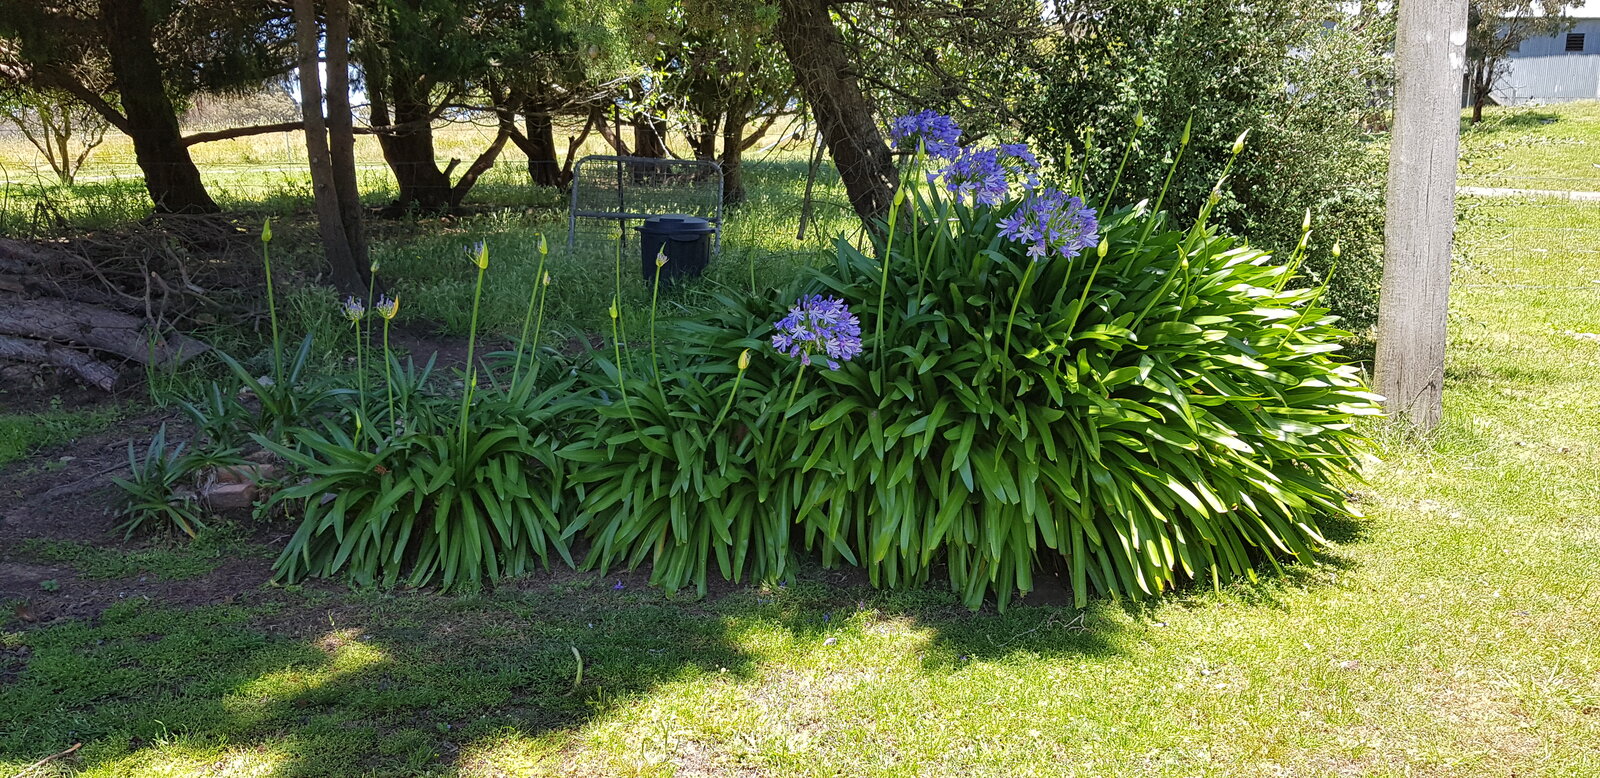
<point>1419,218</point>
<point>539,144</point>
<point>341,133</point>
<point>344,272</point>
<point>170,174</point>
<point>410,154</point>
<point>506,121</point>
<point>822,66</point>
<point>733,157</point>
<point>613,135</point>
<point>647,140</point>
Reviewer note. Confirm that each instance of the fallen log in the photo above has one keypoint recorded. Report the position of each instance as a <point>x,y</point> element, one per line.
<point>88,369</point>
<point>93,327</point>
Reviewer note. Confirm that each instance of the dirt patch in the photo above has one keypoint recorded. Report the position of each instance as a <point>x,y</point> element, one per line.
<point>73,597</point>
<point>66,494</point>
<point>65,491</point>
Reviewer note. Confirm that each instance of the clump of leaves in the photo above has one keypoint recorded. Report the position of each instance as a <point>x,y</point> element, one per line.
<point>1160,410</point>
<point>434,487</point>
<point>429,503</point>
<point>151,494</point>
<point>676,471</point>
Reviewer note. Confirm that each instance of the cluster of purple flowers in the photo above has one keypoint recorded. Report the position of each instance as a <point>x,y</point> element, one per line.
<point>1019,161</point>
<point>985,175</point>
<point>819,325</point>
<point>1051,220</point>
<point>976,173</point>
<point>937,133</point>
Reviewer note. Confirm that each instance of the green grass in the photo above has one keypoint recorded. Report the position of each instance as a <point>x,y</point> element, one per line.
<point>23,433</point>
<point>1541,147</point>
<point>1449,634</point>
<point>172,561</point>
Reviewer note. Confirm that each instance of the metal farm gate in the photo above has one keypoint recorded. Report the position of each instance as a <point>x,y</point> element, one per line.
<point>623,189</point>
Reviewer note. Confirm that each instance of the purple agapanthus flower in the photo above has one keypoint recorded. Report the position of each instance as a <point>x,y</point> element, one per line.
<point>1051,220</point>
<point>819,325</point>
<point>937,132</point>
<point>976,173</point>
<point>1019,161</point>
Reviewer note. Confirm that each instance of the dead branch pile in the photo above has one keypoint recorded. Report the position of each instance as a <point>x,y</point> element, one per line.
<point>92,305</point>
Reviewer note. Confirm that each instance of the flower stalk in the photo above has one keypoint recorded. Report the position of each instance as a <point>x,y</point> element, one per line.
<point>272,303</point>
<point>655,296</point>
<point>388,309</point>
<point>355,311</point>
<point>527,314</point>
<point>480,258</point>
<point>616,342</point>
<point>744,364</point>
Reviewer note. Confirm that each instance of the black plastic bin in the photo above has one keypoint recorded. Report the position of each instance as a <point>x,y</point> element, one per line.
<point>686,240</point>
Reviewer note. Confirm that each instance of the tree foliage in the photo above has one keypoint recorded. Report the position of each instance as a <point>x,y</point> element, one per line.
<point>1303,77</point>
<point>63,130</point>
<point>138,62</point>
<point>1496,28</point>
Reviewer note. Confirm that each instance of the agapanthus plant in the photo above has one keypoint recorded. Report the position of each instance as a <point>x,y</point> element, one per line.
<point>818,325</point>
<point>937,133</point>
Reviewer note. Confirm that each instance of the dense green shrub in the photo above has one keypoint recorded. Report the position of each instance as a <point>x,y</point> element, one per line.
<point>1165,413</point>
<point>1305,77</point>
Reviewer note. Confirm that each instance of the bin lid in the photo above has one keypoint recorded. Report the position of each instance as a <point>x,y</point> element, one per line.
<point>676,223</point>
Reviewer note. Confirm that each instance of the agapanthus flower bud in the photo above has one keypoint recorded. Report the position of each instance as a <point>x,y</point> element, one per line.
<point>1336,250</point>
<point>479,253</point>
<point>613,310</point>
<point>1183,140</point>
<point>266,230</point>
<point>387,307</point>
<point>1305,224</point>
<point>547,278</point>
<point>1138,119</point>
<point>373,267</point>
<point>1238,145</point>
<point>744,359</point>
<point>661,258</point>
<point>1105,247</point>
<point>353,309</point>
<point>544,248</point>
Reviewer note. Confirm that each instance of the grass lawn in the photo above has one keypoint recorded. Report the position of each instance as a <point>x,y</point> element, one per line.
<point>1540,147</point>
<point>1451,633</point>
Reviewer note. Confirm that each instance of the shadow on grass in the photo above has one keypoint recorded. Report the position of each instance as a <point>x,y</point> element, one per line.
<point>315,683</point>
<point>1511,120</point>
